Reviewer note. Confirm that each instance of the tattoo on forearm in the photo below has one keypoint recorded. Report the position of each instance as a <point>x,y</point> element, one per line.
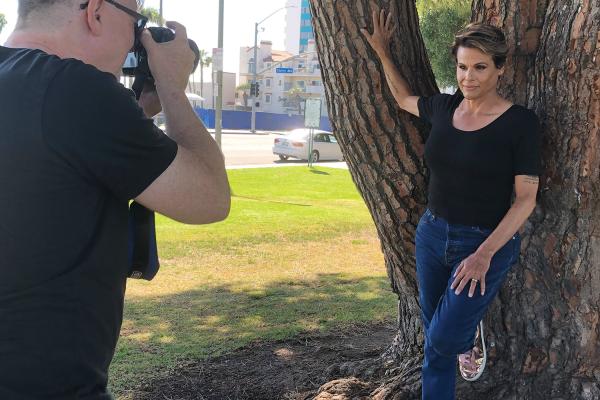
<point>534,180</point>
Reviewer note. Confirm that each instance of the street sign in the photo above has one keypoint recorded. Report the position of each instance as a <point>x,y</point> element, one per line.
<point>217,58</point>
<point>312,113</point>
<point>284,70</point>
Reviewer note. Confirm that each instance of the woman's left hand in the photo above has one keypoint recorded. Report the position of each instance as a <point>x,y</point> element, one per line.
<point>472,270</point>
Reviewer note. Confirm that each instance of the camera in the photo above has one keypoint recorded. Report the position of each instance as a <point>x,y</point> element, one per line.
<point>136,63</point>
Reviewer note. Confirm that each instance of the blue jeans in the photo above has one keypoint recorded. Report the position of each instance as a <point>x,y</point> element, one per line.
<point>450,321</point>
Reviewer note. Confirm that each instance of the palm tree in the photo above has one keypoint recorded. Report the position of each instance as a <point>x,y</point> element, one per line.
<point>244,88</point>
<point>2,22</point>
<point>205,62</point>
<point>294,98</point>
<point>153,15</point>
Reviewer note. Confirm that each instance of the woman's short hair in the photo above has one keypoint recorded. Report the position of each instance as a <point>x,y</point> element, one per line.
<point>487,38</point>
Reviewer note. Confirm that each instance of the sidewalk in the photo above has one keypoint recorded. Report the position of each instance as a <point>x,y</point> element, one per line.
<point>243,132</point>
<point>337,165</point>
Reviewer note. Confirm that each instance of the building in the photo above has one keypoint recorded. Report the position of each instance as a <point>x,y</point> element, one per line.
<point>299,30</point>
<point>285,80</point>
<point>209,90</point>
<point>306,29</point>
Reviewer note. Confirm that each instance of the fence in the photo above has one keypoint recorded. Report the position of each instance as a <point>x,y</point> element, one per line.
<point>241,120</point>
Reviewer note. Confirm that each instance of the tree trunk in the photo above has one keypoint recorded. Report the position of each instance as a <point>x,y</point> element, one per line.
<point>202,81</point>
<point>543,330</point>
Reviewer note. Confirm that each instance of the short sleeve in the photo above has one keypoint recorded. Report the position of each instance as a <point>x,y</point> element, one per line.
<point>432,106</point>
<point>527,147</point>
<point>96,126</point>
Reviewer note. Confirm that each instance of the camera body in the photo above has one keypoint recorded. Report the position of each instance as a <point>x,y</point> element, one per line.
<point>136,64</point>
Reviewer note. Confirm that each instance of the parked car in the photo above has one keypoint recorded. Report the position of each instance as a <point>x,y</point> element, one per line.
<point>296,145</point>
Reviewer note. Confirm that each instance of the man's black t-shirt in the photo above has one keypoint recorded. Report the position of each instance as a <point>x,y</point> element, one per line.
<point>472,172</point>
<point>74,149</point>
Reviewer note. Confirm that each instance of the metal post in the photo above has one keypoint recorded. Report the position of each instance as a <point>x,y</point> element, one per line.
<point>311,137</point>
<point>254,80</point>
<point>219,113</point>
<point>161,12</point>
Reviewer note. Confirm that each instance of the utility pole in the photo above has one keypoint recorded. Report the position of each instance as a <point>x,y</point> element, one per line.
<point>254,80</point>
<point>161,13</point>
<point>219,112</point>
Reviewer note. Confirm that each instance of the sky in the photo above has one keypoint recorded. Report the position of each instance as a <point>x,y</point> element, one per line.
<point>201,18</point>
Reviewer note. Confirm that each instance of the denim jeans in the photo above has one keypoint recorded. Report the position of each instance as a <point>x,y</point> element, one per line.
<point>450,320</point>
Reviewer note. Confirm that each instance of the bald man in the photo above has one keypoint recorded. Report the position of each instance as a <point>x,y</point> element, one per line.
<point>75,148</point>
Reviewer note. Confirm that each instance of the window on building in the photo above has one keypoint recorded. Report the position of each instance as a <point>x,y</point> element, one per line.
<point>251,66</point>
<point>301,84</point>
<point>268,82</point>
<point>269,65</point>
<point>268,98</point>
<point>280,82</point>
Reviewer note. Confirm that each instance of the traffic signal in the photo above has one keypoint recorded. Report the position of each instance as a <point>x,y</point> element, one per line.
<point>254,89</point>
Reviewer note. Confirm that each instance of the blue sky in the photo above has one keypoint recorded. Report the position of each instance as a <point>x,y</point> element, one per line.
<point>201,20</point>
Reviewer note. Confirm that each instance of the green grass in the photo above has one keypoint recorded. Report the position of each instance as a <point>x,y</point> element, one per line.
<point>298,253</point>
<point>274,204</point>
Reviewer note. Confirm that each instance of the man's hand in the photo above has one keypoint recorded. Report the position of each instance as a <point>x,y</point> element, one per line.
<point>171,62</point>
<point>149,101</point>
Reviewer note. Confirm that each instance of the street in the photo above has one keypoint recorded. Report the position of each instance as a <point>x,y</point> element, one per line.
<point>245,149</point>
<point>248,149</point>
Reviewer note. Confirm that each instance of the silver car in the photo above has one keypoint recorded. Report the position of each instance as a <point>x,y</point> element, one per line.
<point>296,144</point>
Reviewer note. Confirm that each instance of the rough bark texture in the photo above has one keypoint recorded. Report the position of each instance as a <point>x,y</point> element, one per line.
<point>382,144</point>
<point>544,327</point>
<point>546,322</point>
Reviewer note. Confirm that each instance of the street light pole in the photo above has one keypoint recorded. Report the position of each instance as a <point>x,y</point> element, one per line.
<point>161,12</point>
<point>219,113</point>
<point>254,80</point>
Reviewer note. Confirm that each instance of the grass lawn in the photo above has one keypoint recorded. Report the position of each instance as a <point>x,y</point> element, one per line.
<point>299,252</point>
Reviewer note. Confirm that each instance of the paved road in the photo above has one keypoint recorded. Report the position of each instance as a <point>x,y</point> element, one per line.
<point>247,150</point>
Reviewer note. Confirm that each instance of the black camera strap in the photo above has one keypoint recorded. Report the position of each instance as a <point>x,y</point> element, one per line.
<point>139,83</point>
<point>143,250</point>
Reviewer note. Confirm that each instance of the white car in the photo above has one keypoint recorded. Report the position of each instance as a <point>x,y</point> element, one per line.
<point>296,144</point>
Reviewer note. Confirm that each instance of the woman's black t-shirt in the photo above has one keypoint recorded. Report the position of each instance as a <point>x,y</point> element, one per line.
<point>472,172</point>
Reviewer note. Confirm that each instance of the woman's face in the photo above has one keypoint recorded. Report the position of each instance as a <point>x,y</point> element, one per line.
<point>476,73</point>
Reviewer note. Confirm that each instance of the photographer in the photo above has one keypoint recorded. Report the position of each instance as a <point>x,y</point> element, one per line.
<point>75,148</point>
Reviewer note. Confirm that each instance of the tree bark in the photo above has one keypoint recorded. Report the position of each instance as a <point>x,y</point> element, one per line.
<point>382,144</point>
<point>543,330</point>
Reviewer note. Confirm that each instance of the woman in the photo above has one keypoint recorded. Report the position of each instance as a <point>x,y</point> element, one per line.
<point>480,147</point>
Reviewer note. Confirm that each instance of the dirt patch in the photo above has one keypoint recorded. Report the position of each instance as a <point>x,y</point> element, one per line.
<point>288,370</point>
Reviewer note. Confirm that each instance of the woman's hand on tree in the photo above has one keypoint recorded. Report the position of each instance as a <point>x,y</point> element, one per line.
<point>471,271</point>
<point>382,33</point>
